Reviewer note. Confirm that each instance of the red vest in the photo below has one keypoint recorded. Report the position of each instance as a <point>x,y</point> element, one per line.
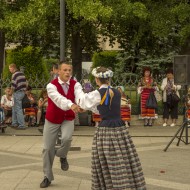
<point>55,114</point>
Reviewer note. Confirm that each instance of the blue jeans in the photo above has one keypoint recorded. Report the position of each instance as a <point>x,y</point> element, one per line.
<point>17,111</point>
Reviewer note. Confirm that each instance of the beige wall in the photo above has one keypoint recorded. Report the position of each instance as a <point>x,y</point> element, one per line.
<point>105,45</point>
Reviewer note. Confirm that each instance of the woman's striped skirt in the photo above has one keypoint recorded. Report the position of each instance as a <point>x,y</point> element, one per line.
<point>126,113</point>
<point>146,112</point>
<point>115,162</point>
<point>96,117</point>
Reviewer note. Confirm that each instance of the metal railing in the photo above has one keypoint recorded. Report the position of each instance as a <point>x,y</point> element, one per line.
<point>128,82</point>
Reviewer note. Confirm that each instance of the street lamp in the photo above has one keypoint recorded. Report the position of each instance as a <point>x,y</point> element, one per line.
<point>62,30</point>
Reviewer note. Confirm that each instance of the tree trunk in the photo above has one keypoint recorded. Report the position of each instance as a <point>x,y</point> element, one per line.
<point>76,55</point>
<point>2,46</point>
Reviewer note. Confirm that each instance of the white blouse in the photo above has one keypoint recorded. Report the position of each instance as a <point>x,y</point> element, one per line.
<point>6,102</point>
<point>90,101</point>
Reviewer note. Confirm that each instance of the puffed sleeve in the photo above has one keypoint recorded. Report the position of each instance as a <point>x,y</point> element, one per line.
<point>139,87</point>
<point>164,84</point>
<point>177,87</point>
<point>90,101</point>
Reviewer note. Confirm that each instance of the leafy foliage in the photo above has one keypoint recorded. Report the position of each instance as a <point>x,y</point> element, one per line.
<point>105,59</point>
<point>88,9</point>
<point>145,30</point>
<point>30,58</point>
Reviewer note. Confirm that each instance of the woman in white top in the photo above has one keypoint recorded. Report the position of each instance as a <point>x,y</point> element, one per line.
<point>170,108</point>
<point>7,104</point>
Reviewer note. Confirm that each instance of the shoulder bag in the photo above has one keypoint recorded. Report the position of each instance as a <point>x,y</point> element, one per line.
<point>151,101</point>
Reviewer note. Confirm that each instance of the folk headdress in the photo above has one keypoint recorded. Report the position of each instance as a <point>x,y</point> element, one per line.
<point>107,74</point>
<point>104,73</point>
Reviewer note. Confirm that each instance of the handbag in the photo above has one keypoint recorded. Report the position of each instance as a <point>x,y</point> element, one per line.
<point>175,98</point>
<point>151,101</point>
<point>158,96</point>
<point>26,102</point>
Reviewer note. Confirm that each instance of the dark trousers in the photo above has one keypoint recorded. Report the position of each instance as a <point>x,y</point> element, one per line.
<point>168,110</point>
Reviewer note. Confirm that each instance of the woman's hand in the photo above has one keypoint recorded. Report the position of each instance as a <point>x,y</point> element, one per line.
<point>81,110</point>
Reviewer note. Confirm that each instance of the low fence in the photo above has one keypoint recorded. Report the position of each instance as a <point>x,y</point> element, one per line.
<point>129,83</point>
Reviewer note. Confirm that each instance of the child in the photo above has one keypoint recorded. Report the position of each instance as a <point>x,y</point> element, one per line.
<point>30,113</point>
<point>42,105</point>
<point>6,104</point>
<point>125,106</point>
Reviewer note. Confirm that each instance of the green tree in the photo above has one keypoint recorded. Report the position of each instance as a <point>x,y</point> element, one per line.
<point>153,27</point>
<point>38,24</point>
<point>148,32</point>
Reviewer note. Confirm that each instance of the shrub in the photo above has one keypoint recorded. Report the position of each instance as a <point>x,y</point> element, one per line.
<point>31,59</point>
<point>49,63</point>
<point>105,58</point>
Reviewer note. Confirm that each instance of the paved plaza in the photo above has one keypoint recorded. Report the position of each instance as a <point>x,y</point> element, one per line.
<point>21,160</point>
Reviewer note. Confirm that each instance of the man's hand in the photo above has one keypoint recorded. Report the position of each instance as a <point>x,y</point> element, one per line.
<point>75,108</point>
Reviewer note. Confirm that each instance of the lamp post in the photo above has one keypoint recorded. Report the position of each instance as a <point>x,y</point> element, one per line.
<point>62,30</point>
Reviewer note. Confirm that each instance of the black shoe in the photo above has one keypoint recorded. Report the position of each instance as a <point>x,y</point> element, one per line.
<point>64,164</point>
<point>45,183</point>
<point>150,124</point>
<point>146,124</point>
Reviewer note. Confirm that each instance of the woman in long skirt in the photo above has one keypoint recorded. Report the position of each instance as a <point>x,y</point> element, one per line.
<point>145,87</point>
<point>115,162</point>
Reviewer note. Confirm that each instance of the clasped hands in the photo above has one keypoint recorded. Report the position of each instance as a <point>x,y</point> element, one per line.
<point>77,108</point>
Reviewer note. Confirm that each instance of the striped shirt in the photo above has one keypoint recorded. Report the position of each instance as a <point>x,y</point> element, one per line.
<point>18,81</point>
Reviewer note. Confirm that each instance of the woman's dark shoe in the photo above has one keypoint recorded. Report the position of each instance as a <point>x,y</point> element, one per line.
<point>45,183</point>
<point>34,125</point>
<point>64,164</point>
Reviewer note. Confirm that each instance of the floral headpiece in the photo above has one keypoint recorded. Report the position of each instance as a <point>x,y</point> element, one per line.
<point>107,74</point>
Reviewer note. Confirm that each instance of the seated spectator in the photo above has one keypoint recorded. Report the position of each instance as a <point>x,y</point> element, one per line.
<point>42,105</point>
<point>31,112</point>
<point>125,106</point>
<point>6,105</point>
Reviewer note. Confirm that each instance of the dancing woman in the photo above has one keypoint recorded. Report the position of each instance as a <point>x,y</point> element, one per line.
<point>115,163</point>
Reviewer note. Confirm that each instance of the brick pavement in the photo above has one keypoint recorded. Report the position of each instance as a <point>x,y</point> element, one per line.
<point>21,162</point>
